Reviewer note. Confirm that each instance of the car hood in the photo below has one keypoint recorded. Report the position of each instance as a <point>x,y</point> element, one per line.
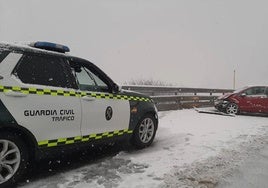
<point>227,95</point>
<point>133,93</point>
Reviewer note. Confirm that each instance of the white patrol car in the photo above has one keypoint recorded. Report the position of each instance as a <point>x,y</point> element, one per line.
<point>50,100</point>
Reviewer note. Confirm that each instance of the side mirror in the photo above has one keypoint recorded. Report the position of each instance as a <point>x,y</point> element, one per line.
<point>119,88</point>
<point>116,88</point>
<point>243,95</point>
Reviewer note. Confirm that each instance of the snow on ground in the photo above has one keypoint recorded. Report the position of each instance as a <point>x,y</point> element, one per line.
<point>190,150</point>
<point>253,172</point>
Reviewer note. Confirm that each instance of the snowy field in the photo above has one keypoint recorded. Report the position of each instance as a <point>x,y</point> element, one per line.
<point>190,150</point>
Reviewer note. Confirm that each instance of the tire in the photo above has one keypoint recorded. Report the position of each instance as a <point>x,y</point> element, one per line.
<point>144,132</point>
<point>14,159</point>
<point>232,108</point>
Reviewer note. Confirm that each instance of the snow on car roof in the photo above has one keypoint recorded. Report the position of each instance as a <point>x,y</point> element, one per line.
<point>26,46</point>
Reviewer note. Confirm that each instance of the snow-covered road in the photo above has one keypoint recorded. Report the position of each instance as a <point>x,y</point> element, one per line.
<point>190,150</point>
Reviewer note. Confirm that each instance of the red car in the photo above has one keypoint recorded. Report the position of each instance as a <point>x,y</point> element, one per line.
<point>246,100</point>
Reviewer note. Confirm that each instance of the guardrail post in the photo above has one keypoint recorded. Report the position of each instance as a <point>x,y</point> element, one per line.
<point>178,101</point>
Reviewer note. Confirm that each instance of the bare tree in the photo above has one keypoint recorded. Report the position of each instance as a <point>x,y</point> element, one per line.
<point>150,82</point>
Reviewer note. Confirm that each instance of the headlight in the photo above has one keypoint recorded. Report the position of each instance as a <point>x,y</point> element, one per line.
<point>225,103</point>
<point>221,102</point>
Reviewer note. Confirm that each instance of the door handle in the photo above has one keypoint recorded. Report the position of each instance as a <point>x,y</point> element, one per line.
<point>88,98</point>
<point>15,93</point>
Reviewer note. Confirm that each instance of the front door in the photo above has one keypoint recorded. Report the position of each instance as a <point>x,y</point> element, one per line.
<point>102,113</point>
<point>254,100</point>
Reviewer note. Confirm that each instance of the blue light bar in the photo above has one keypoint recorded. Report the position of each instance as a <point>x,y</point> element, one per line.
<point>51,46</point>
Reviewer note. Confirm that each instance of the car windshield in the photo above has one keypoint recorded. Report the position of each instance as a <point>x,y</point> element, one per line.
<point>239,90</point>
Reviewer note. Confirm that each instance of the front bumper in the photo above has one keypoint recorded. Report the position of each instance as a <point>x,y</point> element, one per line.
<point>221,105</point>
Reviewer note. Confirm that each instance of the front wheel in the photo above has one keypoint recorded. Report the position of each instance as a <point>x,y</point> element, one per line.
<point>144,132</point>
<point>13,159</point>
<point>232,108</point>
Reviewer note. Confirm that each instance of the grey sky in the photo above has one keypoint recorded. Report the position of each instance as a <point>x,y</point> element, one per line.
<point>192,43</point>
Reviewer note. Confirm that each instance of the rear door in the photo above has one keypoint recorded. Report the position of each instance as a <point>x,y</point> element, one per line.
<point>40,94</point>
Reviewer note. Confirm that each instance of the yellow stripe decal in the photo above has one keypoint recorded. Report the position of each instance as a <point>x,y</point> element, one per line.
<point>87,138</point>
<point>71,93</point>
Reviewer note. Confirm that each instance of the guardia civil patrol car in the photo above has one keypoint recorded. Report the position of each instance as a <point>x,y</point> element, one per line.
<point>50,100</point>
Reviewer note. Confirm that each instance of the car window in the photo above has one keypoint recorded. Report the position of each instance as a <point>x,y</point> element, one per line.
<point>255,91</point>
<point>266,91</point>
<point>3,55</point>
<point>89,81</point>
<point>45,70</point>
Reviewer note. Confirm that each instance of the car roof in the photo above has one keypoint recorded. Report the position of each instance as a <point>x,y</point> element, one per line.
<point>256,86</point>
<point>25,47</point>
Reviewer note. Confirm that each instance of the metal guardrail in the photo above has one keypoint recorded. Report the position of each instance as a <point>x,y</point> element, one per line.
<point>173,98</point>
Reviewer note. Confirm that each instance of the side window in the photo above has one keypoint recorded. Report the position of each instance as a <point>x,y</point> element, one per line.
<point>266,91</point>
<point>3,55</point>
<point>256,91</point>
<point>45,70</point>
<point>89,81</point>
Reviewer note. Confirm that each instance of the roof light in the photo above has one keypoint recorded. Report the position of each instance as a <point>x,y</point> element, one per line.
<point>51,46</point>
